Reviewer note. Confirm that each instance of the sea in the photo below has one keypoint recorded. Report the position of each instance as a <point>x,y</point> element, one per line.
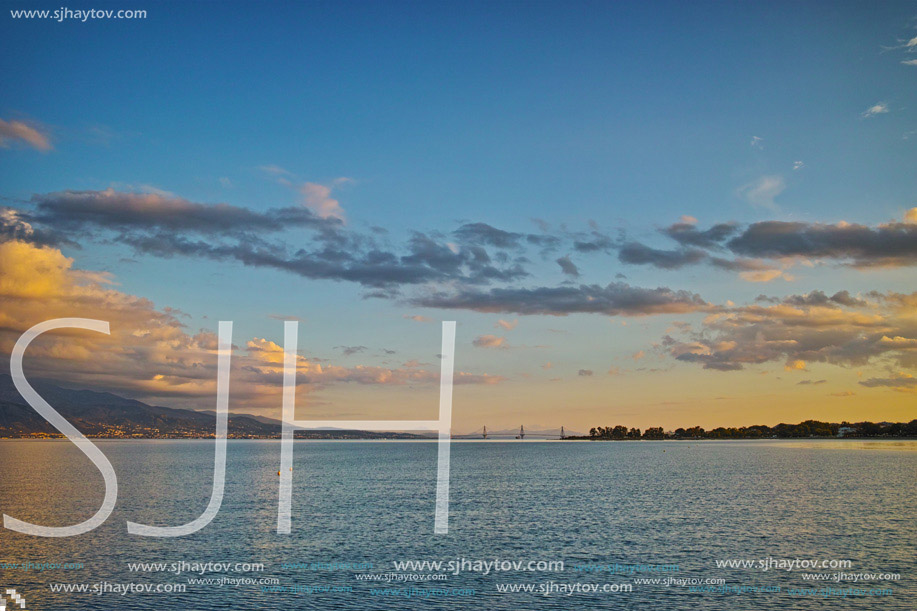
<point>643,525</point>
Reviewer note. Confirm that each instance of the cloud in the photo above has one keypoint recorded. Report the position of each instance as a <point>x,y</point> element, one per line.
<point>30,135</point>
<point>801,329</point>
<point>350,350</point>
<point>585,373</point>
<point>595,241</point>
<point>762,192</point>
<point>142,188</point>
<point>38,283</point>
<point>876,109</point>
<point>418,318</point>
<point>751,270</point>
<point>819,298</point>
<point>687,234</point>
<point>168,226</point>
<point>568,267</point>
<point>901,382</point>
<point>766,275</point>
<point>639,354</point>
<point>506,324</point>
<point>268,359</point>
<point>890,244</point>
<point>886,244</point>
<point>119,210</point>
<point>275,170</point>
<point>757,142</point>
<point>798,165</point>
<point>150,354</point>
<point>546,243</point>
<point>639,254</point>
<point>482,233</point>
<point>317,198</point>
<point>909,62</point>
<point>447,273</point>
<point>614,299</point>
<point>285,317</point>
<point>14,226</point>
<point>489,341</point>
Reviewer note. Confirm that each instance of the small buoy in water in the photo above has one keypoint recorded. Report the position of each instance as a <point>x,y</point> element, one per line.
<point>291,468</point>
<point>278,473</point>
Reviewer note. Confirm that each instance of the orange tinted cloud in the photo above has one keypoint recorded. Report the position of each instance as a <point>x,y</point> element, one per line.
<point>318,199</point>
<point>842,330</point>
<point>489,341</point>
<point>150,354</point>
<point>17,131</point>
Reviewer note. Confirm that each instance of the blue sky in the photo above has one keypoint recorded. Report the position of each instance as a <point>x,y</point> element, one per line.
<point>625,115</point>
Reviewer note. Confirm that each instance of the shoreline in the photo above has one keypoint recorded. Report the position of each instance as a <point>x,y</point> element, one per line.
<point>464,440</point>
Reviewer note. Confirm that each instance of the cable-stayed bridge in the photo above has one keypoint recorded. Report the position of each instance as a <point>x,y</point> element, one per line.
<point>521,433</point>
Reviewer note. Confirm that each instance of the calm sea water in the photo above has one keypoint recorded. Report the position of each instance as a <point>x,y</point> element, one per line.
<point>638,503</point>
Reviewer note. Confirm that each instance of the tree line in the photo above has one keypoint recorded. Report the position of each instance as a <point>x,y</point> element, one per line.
<point>809,428</point>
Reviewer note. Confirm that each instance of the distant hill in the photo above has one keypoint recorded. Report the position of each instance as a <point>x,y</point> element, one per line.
<point>103,414</point>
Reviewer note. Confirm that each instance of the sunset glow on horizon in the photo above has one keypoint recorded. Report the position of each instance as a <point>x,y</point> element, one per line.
<point>686,217</point>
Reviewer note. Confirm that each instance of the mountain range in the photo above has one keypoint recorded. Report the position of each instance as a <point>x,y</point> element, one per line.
<point>103,414</point>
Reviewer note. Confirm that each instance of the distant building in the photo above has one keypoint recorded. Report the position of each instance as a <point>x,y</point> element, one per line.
<point>845,430</point>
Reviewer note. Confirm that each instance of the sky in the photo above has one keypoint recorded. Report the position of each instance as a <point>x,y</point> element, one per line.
<point>649,214</point>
